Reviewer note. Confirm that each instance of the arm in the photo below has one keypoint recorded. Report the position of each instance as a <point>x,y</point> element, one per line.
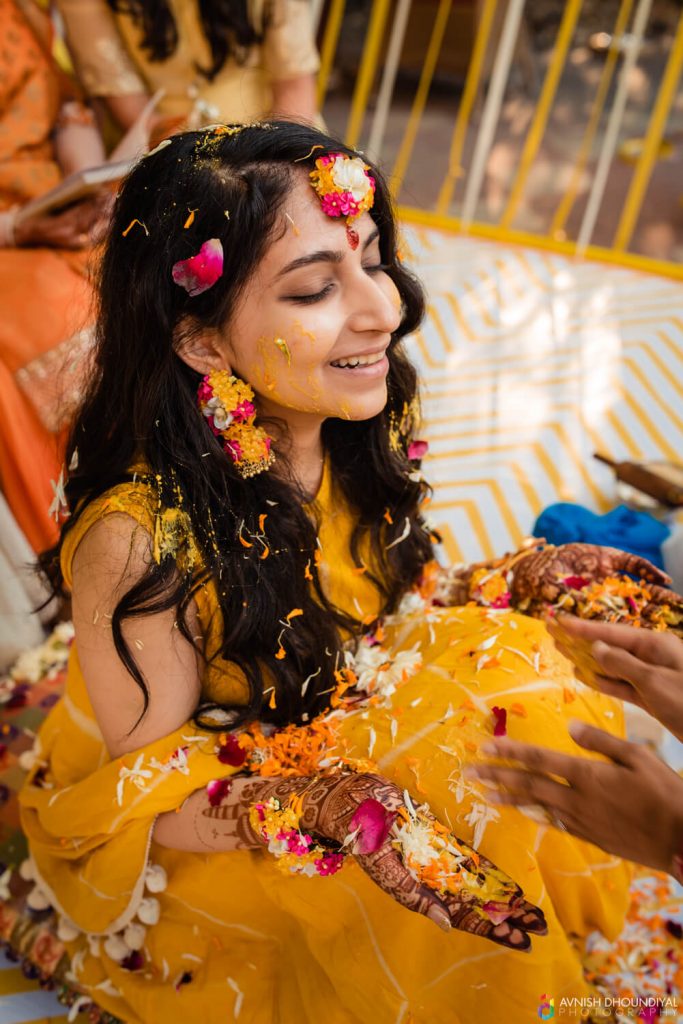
<point>296,98</point>
<point>77,140</point>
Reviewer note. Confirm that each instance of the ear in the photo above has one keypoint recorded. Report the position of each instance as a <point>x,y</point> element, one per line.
<point>203,350</point>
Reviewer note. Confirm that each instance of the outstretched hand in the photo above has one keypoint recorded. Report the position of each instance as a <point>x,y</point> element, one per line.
<point>629,803</point>
<point>329,808</point>
<point>635,665</point>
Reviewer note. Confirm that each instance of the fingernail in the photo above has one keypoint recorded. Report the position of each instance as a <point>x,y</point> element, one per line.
<point>489,748</point>
<point>575,728</point>
<point>470,772</point>
<point>599,649</point>
<point>439,916</point>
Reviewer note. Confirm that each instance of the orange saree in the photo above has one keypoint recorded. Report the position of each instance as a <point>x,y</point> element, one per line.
<point>44,293</point>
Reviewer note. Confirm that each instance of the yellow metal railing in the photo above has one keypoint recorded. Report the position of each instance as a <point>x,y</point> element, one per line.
<point>470,132</point>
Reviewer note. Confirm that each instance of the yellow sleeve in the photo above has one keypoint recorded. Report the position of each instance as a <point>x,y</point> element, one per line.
<point>104,65</point>
<point>289,49</point>
<point>137,500</point>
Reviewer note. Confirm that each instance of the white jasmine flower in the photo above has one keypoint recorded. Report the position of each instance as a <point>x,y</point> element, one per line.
<point>137,775</point>
<point>478,818</point>
<point>221,417</point>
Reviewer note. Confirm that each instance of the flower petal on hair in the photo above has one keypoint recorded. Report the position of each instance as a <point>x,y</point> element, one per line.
<point>417,449</point>
<point>373,822</point>
<point>199,273</point>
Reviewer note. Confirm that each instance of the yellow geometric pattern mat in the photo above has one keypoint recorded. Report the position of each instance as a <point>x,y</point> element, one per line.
<point>532,361</point>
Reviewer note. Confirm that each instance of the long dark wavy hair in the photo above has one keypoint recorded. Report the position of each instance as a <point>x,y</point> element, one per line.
<point>141,406</point>
<point>228,28</point>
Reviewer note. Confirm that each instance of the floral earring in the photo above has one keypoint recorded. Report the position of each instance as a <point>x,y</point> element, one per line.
<point>227,403</point>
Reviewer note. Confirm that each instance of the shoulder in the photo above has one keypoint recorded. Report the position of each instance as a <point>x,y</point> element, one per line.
<point>121,516</point>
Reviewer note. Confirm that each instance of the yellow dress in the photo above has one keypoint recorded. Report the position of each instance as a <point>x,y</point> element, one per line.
<point>110,61</point>
<point>234,938</point>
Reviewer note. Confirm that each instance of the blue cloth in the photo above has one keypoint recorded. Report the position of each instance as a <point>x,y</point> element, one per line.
<point>622,527</point>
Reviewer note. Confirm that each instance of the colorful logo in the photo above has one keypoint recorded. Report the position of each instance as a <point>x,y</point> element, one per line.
<point>546,1008</point>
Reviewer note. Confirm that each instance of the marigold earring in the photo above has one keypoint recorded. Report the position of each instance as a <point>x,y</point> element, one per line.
<point>227,403</point>
<point>345,189</point>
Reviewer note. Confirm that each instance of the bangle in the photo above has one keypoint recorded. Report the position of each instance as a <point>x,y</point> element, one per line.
<point>296,852</point>
<point>74,112</point>
<point>8,224</point>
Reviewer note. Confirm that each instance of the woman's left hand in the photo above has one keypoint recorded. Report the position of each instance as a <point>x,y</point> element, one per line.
<point>630,805</point>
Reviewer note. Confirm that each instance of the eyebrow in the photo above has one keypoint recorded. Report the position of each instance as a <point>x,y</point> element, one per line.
<point>323,256</point>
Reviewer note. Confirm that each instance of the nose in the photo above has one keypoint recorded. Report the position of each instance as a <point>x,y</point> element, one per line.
<point>376,304</point>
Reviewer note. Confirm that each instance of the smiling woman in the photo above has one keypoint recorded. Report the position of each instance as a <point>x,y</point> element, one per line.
<point>253,792</point>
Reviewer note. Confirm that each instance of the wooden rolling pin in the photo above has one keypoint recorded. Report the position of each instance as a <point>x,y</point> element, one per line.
<point>646,480</point>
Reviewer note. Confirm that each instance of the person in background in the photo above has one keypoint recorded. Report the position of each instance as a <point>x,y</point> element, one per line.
<point>46,132</point>
<point>629,802</point>
<point>228,60</point>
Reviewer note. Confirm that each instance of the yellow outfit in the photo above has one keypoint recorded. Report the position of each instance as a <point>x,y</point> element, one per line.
<point>237,939</point>
<point>110,61</point>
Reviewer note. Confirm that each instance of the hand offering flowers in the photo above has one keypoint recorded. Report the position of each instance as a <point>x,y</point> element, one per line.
<point>417,861</point>
<point>630,804</point>
<point>635,665</point>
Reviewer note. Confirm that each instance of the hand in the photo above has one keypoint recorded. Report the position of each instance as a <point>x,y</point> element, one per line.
<point>329,806</point>
<point>538,577</point>
<point>635,665</point>
<point>535,576</point>
<point>76,227</point>
<point>630,805</point>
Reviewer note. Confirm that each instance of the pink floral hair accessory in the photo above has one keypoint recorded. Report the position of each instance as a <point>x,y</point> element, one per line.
<point>344,187</point>
<point>200,272</point>
<point>227,404</point>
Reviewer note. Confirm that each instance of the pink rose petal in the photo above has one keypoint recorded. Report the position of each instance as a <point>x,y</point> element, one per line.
<point>374,822</point>
<point>217,789</point>
<point>417,449</point>
<point>199,273</point>
<point>497,912</point>
<point>500,716</point>
<point>576,582</point>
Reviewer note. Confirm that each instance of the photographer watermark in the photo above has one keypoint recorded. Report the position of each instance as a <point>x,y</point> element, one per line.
<point>639,1008</point>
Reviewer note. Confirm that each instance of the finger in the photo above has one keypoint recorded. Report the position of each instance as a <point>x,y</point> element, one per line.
<point>635,565</point>
<point>468,916</point>
<point>601,742</point>
<point>619,664</point>
<point>537,759</point>
<point>387,870</point>
<point>524,787</point>
<point>616,688</point>
<point>579,636</point>
<point>664,595</point>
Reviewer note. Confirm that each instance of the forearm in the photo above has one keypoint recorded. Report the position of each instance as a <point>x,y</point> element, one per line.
<point>78,143</point>
<point>201,827</point>
<point>296,97</point>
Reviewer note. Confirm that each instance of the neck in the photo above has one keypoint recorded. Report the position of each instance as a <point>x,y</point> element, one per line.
<point>306,453</point>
